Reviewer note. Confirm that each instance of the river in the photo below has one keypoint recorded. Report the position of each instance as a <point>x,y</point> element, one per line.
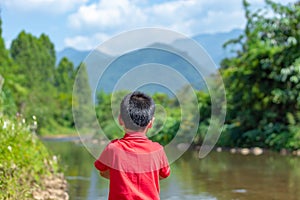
<point>219,176</point>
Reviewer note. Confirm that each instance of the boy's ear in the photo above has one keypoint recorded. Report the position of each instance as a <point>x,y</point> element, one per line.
<point>121,122</point>
<point>150,124</point>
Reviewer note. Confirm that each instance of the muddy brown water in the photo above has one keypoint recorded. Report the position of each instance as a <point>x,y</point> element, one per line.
<point>219,176</point>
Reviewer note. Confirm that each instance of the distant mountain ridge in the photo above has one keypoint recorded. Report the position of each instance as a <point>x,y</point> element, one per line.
<point>74,55</point>
<point>212,43</point>
<point>154,53</point>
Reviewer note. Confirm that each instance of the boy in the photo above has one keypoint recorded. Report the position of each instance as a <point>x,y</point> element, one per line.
<point>134,164</point>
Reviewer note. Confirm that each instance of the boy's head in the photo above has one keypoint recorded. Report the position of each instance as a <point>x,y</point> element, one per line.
<point>137,110</point>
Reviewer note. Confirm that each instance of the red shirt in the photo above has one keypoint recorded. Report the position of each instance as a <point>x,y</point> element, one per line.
<point>135,164</point>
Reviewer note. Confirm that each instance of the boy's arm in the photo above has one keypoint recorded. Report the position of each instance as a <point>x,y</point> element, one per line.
<point>101,163</point>
<point>104,170</point>
<point>165,170</point>
<point>105,174</point>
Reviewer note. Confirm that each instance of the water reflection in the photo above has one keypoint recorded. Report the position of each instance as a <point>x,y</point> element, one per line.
<point>218,176</point>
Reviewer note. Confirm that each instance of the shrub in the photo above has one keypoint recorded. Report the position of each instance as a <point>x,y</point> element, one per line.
<point>23,160</point>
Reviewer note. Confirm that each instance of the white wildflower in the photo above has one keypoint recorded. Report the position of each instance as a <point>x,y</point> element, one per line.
<point>33,117</point>
<point>54,158</point>
<point>5,125</point>
<point>13,166</point>
<point>23,121</point>
<point>9,148</point>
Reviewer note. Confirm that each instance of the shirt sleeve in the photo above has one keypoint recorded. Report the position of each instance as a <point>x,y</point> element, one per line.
<point>164,171</point>
<point>102,162</point>
<point>100,166</point>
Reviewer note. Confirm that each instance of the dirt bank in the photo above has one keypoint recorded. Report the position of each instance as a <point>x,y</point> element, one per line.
<point>53,187</point>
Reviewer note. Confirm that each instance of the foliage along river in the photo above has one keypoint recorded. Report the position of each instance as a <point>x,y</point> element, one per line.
<point>217,176</point>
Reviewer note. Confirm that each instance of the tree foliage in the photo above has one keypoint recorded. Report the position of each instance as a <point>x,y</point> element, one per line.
<point>7,76</point>
<point>262,80</point>
<point>262,86</point>
<point>34,85</point>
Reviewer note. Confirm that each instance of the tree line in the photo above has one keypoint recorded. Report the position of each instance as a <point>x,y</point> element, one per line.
<point>262,82</point>
<point>34,85</point>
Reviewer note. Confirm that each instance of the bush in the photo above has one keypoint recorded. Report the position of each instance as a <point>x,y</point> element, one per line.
<point>23,160</point>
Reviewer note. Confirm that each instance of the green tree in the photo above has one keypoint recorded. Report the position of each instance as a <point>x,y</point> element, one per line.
<point>35,57</point>
<point>64,75</point>
<point>35,60</point>
<point>7,103</point>
<point>262,80</point>
<point>82,103</point>
<point>3,52</point>
<point>64,80</point>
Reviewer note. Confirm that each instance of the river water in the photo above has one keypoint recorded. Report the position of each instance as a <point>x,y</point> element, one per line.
<point>219,176</point>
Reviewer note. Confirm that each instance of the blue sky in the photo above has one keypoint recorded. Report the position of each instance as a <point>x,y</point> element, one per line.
<point>83,24</point>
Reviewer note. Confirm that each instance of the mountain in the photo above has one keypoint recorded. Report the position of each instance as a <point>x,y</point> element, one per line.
<point>212,43</point>
<point>72,54</point>
<point>129,65</point>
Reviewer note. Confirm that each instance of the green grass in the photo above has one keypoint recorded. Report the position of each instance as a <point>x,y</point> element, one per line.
<point>24,160</point>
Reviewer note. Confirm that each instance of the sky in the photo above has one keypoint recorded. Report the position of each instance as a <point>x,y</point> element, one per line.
<point>84,24</point>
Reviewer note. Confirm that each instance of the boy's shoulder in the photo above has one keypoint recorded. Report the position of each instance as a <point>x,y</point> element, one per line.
<point>155,145</point>
<point>112,143</point>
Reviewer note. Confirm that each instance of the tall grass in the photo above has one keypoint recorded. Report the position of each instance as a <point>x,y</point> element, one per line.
<point>24,160</point>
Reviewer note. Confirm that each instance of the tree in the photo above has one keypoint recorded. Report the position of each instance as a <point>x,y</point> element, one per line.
<point>3,52</point>
<point>82,103</point>
<point>35,57</point>
<point>64,80</point>
<point>7,79</point>
<point>262,80</point>
<point>35,60</point>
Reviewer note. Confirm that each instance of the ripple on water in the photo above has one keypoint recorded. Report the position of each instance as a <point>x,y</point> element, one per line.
<point>77,178</point>
<point>191,197</point>
<point>239,191</point>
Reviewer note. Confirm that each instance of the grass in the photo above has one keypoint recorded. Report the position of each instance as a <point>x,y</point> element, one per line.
<point>24,160</point>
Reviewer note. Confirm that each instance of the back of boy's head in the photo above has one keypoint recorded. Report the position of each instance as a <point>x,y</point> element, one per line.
<point>137,110</point>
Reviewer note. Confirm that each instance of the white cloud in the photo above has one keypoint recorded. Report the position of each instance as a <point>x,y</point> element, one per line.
<point>220,21</point>
<point>189,17</point>
<point>183,16</point>
<point>106,14</point>
<point>48,6</point>
<point>85,42</point>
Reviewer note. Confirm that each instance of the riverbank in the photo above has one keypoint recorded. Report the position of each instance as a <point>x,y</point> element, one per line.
<point>27,169</point>
<point>243,151</point>
<point>181,146</point>
<point>257,151</point>
<point>68,138</point>
<point>54,187</point>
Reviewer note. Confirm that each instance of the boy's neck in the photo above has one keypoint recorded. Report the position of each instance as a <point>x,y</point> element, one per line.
<point>142,131</point>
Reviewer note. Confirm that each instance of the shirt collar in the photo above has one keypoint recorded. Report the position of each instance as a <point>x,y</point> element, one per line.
<point>135,135</point>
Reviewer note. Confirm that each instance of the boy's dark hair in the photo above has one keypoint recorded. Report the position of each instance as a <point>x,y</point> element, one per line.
<point>137,110</point>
